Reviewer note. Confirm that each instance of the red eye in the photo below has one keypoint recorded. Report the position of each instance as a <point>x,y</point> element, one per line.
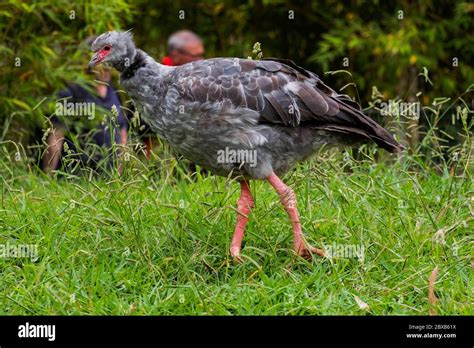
<point>107,48</point>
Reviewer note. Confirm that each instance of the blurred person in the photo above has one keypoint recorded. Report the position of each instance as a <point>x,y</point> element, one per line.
<point>103,97</point>
<point>184,47</point>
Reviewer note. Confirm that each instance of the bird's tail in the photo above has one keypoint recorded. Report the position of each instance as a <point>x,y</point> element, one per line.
<point>378,135</point>
<point>353,121</point>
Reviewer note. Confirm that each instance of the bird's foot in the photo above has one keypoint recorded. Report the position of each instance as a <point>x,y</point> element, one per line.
<point>307,252</point>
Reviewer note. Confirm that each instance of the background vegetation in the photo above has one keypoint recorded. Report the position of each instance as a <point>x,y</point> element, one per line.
<point>386,44</point>
<point>154,240</point>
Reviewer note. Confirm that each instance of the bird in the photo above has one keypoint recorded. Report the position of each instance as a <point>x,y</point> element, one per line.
<point>241,118</point>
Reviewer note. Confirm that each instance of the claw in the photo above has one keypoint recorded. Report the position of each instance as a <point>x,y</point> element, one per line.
<point>319,252</point>
<point>307,254</point>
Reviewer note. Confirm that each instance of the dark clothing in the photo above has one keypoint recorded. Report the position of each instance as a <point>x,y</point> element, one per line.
<point>90,129</point>
<point>102,134</point>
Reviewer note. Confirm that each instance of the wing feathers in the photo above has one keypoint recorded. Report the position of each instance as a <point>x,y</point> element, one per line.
<point>312,99</point>
<point>283,93</point>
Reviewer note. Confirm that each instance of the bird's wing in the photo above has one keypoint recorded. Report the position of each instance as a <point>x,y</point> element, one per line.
<point>280,91</point>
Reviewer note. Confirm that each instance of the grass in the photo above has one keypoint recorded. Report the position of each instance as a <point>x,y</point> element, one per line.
<point>153,242</point>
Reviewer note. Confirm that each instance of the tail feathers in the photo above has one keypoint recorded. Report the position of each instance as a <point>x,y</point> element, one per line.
<point>354,121</point>
<point>354,135</point>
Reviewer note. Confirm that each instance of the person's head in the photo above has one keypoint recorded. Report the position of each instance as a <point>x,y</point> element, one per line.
<point>184,46</point>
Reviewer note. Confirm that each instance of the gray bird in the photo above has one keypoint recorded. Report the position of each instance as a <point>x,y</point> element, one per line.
<point>247,119</point>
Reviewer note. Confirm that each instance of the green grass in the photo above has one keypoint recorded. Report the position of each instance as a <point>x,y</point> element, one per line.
<point>151,242</point>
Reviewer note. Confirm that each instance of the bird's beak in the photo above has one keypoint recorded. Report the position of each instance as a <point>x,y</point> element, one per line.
<point>96,59</point>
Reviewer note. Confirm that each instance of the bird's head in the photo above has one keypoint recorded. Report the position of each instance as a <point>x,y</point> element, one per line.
<point>114,47</point>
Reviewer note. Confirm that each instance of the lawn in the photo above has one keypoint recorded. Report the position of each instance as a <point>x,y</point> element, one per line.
<point>155,242</point>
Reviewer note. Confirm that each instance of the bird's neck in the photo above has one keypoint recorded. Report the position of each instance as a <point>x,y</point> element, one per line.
<point>128,68</point>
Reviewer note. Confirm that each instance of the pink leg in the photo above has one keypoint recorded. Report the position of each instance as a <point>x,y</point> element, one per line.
<point>288,199</point>
<point>244,206</point>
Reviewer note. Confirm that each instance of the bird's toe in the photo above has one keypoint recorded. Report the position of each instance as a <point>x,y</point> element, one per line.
<point>307,253</point>
<point>319,252</point>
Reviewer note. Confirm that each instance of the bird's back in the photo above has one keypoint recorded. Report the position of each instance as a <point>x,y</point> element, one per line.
<point>272,106</point>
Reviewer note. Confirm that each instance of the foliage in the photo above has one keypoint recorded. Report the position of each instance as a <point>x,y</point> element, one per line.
<point>42,49</point>
<point>383,50</point>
